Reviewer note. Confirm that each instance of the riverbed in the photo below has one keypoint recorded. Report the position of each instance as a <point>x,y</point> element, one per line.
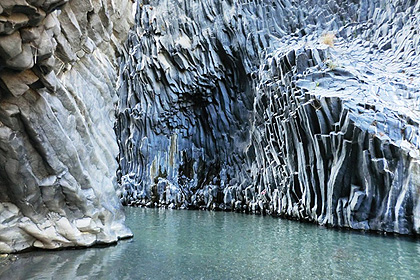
<point>177,244</point>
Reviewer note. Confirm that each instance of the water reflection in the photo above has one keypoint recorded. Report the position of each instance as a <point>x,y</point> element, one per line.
<point>194,245</point>
<point>67,264</point>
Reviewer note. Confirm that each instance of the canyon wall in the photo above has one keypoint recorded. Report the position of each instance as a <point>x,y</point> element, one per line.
<point>58,73</point>
<point>302,109</point>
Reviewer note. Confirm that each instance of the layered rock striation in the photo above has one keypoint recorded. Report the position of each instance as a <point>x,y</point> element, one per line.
<point>58,72</point>
<point>303,109</point>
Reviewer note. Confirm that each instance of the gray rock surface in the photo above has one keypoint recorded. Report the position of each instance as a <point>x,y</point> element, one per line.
<point>304,109</point>
<point>58,72</point>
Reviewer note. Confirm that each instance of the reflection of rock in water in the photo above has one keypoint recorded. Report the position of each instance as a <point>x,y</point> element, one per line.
<point>69,264</point>
<point>253,106</point>
<point>216,245</point>
<point>341,254</point>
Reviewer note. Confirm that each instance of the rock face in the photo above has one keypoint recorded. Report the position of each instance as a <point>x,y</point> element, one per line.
<point>58,70</point>
<point>303,109</point>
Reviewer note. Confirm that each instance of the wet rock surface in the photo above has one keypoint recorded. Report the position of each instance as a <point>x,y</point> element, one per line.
<point>58,72</point>
<point>302,109</point>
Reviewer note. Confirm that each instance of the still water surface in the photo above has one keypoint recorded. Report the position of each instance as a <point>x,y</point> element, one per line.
<point>216,245</point>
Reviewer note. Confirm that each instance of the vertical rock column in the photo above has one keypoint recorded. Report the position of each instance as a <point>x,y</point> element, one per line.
<point>305,109</point>
<point>185,101</point>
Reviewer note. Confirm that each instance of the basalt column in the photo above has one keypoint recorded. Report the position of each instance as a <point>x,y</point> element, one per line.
<point>303,109</point>
<point>186,102</point>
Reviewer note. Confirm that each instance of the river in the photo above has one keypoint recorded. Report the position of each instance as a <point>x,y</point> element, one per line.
<point>176,244</point>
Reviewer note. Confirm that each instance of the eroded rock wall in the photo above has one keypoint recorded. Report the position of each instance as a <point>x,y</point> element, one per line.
<point>58,72</point>
<point>304,109</point>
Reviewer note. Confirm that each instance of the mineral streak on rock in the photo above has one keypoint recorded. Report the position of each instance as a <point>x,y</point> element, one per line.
<point>58,70</point>
<point>303,109</point>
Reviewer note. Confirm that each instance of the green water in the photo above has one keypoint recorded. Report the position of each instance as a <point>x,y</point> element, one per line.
<point>215,245</point>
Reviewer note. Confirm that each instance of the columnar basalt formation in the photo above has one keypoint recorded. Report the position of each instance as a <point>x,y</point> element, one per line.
<point>58,72</point>
<point>303,109</point>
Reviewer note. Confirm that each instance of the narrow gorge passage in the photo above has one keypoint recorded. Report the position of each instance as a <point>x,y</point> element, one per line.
<point>302,109</point>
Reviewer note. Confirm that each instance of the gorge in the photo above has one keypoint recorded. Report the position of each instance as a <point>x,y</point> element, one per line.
<point>307,110</point>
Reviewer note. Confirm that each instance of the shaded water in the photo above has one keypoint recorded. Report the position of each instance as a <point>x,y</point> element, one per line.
<point>216,245</point>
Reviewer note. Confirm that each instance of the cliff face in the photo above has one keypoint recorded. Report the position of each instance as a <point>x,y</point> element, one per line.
<point>236,105</point>
<point>254,106</point>
<point>58,70</point>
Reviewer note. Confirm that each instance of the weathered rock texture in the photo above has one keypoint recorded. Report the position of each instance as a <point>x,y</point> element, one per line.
<point>253,106</point>
<point>58,70</point>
